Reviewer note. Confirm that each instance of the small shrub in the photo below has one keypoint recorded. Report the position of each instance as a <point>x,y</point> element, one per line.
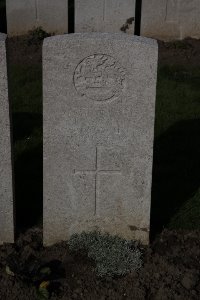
<point>36,36</point>
<point>113,255</point>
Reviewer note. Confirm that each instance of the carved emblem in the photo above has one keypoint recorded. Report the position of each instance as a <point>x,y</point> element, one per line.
<point>99,77</point>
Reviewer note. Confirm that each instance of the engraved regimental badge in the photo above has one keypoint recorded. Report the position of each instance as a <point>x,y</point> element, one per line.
<point>99,77</point>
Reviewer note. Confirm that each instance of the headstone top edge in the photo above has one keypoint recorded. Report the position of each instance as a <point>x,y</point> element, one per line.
<point>109,36</point>
<point>3,37</point>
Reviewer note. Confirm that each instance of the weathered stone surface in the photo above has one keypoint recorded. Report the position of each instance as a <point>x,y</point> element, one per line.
<point>25,15</point>
<point>104,15</point>
<point>6,190</point>
<point>99,101</point>
<point>170,19</point>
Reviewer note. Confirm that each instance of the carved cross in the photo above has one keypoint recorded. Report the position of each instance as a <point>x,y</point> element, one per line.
<point>96,172</point>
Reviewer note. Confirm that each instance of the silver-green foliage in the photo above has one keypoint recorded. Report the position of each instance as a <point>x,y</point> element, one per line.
<point>112,254</point>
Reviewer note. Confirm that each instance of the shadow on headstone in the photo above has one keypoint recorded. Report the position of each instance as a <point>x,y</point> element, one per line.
<point>176,175</point>
<point>3,22</point>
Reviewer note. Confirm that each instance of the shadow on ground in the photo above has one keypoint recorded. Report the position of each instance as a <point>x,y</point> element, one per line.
<point>28,170</point>
<point>24,124</point>
<point>176,175</point>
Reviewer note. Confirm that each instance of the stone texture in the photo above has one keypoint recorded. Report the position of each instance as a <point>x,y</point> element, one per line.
<point>99,102</point>
<point>170,19</point>
<point>104,15</point>
<point>24,15</point>
<point>6,190</point>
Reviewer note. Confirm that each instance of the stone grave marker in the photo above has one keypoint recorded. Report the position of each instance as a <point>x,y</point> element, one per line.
<point>25,15</point>
<point>6,186</point>
<point>99,106</point>
<point>104,16</point>
<point>170,19</point>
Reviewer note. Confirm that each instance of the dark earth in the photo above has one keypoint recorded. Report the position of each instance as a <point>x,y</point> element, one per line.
<point>171,264</point>
<point>171,270</point>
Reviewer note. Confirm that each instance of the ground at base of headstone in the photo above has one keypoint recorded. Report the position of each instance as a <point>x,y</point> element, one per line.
<point>170,270</point>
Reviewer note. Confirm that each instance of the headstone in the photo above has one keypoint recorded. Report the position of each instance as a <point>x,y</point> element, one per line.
<point>25,15</point>
<point>170,19</point>
<point>99,106</point>
<point>172,11</point>
<point>6,189</point>
<point>104,16</point>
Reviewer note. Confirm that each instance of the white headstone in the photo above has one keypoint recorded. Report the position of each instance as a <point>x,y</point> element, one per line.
<point>25,15</point>
<point>6,186</point>
<point>99,103</point>
<point>104,15</point>
<point>170,19</point>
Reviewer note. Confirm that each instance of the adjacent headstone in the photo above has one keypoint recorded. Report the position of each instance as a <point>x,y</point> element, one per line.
<point>25,15</point>
<point>104,16</point>
<point>6,188</point>
<point>170,19</point>
<point>99,106</point>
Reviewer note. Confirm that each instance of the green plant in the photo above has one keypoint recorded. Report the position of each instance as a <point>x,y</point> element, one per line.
<point>187,217</point>
<point>36,35</point>
<point>113,255</point>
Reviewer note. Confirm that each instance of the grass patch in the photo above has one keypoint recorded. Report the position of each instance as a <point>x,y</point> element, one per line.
<point>2,4</point>
<point>188,215</point>
<point>178,96</point>
<point>176,176</point>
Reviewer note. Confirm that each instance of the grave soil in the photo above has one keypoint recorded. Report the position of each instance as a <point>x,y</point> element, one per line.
<point>171,270</point>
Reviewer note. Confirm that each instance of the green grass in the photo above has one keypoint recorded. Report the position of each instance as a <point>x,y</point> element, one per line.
<point>178,96</point>
<point>2,4</point>
<point>176,176</point>
<point>189,214</point>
